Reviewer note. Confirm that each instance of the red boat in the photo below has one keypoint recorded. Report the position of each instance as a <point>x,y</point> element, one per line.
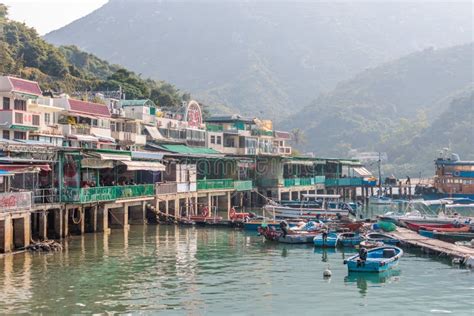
<point>416,227</point>
<point>461,229</point>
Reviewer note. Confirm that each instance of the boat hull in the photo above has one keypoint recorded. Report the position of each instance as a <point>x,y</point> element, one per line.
<point>330,242</point>
<point>376,261</point>
<point>447,236</point>
<point>387,240</point>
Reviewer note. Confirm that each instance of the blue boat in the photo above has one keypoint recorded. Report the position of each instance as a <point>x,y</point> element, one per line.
<point>330,240</point>
<point>350,239</point>
<point>374,260</point>
<point>380,237</point>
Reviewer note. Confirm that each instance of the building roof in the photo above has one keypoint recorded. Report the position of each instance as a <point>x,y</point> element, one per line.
<point>89,108</point>
<point>25,86</point>
<point>229,118</point>
<point>137,102</point>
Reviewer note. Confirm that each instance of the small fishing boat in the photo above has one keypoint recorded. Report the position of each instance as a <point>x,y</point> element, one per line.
<point>370,244</point>
<point>447,236</point>
<point>380,237</point>
<point>253,225</point>
<point>350,239</point>
<point>326,240</point>
<point>461,229</point>
<point>380,200</point>
<point>374,260</point>
<point>287,237</point>
<point>417,226</point>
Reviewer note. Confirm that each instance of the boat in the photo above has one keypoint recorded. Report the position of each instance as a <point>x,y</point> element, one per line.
<point>461,229</point>
<point>253,225</point>
<point>380,237</point>
<point>416,226</point>
<point>374,260</point>
<point>453,178</point>
<point>447,236</point>
<point>380,200</point>
<point>350,239</point>
<point>370,244</point>
<point>315,212</point>
<point>330,240</point>
<point>287,237</point>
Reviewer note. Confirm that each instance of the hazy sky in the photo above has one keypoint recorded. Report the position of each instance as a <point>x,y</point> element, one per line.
<point>48,15</point>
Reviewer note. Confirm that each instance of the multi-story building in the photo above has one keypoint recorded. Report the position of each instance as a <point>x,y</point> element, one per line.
<point>85,124</point>
<point>17,120</point>
<point>49,131</point>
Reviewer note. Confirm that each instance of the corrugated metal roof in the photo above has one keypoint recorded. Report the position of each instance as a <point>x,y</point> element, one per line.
<point>147,102</point>
<point>25,86</point>
<point>88,108</point>
<point>229,118</point>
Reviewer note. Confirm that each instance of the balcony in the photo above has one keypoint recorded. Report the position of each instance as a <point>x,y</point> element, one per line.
<point>103,194</point>
<point>186,187</point>
<point>268,183</point>
<point>214,128</point>
<point>80,129</point>
<point>243,185</point>
<point>19,119</point>
<point>166,188</point>
<point>259,132</point>
<point>129,137</point>
<point>215,184</point>
<point>343,182</point>
<point>303,181</point>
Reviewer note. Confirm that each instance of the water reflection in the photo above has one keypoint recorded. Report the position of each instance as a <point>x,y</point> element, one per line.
<point>364,279</point>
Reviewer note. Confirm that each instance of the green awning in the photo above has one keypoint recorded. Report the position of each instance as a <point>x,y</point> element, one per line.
<point>183,149</point>
<point>23,128</point>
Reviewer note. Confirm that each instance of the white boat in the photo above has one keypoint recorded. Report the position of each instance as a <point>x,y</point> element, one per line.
<point>380,200</point>
<point>279,211</point>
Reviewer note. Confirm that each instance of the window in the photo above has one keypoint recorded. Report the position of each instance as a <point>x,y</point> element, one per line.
<point>19,135</point>
<point>19,118</point>
<point>229,142</point>
<point>94,123</point>
<point>213,139</point>
<point>36,120</point>
<point>47,118</point>
<point>6,103</point>
<point>20,105</point>
<point>6,135</point>
<point>219,140</point>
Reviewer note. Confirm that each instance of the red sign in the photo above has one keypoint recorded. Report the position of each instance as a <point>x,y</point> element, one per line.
<point>193,114</point>
<point>15,201</point>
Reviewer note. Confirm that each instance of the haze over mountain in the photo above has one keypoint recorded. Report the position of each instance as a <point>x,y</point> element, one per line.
<point>408,108</point>
<point>258,57</point>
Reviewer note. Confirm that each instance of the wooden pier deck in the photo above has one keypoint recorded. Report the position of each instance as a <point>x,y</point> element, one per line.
<point>412,238</point>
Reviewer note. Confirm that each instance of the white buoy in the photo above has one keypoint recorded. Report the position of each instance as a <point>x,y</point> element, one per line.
<point>327,273</point>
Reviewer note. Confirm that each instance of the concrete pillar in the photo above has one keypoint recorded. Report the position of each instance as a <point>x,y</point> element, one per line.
<point>66,222</point>
<point>43,225</point>
<point>94,218</point>
<point>177,211</point>
<point>103,219</point>
<point>144,212</point>
<point>187,206</point>
<point>167,207</point>
<point>58,223</point>
<point>8,234</point>
<point>229,205</point>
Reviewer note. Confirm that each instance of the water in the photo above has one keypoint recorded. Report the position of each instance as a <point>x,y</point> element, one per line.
<point>220,271</point>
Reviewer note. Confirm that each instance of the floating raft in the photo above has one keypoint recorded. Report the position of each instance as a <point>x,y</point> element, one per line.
<point>411,238</point>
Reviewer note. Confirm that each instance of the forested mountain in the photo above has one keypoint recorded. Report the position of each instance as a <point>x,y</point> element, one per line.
<point>263,58</point>
<point>408,108</point>
<point>67,69</point>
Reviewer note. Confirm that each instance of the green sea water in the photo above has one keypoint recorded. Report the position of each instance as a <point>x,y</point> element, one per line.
<point>194,271</point>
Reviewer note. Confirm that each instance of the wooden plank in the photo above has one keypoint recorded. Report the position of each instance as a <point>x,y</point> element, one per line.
<point>414,239</point>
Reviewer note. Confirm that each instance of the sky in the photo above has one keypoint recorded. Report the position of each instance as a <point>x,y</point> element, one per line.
<point>49,15</point>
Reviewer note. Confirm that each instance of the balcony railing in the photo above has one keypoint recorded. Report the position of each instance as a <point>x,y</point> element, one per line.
<point>166,188</point>
<point>268,183</point>
<point>332,182</point>
<point>215,184</point>
<point>260,132</point>
<point>243,185</point>
<point>112,193</point>
<point>214,128</point>
<point>81,130</point>
<point>45,196</point>
<point>303,181</point>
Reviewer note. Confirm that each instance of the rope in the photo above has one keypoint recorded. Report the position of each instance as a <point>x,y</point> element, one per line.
<point>81,215</point>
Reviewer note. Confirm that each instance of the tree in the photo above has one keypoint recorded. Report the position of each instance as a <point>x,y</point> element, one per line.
<point>298,136</point>
<point>3,11</point>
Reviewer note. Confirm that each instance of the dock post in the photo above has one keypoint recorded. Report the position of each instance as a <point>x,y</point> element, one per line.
<point>58,223</point>
<point>103,219</point>
<point>66,222</point>
<point>228,205</point>
<point>8,234</point>
<point>94,218</point>
<point>144,212</point>
<point>43,225</point>
<point>167,208</point>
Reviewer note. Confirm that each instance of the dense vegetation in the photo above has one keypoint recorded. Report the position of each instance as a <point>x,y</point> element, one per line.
<point>68,69</point>
<point>409,108</point>
<point>263,58</point>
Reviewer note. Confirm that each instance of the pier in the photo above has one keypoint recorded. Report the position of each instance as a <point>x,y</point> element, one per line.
<point>430,245</point>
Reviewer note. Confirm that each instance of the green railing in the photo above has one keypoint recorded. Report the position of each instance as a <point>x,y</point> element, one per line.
<point>260,132</point>
<point>268,183</point>
<point>303,181</point>
<point>343,182</point>
<point>216,184</point>
<point>214,128</point>
<point>102,194</point>
<point>243,185</point>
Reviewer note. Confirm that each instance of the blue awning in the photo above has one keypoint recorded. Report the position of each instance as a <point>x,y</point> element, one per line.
<point>147,155</point>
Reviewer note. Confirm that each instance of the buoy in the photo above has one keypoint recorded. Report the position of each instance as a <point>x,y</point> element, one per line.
<point>327,273</point>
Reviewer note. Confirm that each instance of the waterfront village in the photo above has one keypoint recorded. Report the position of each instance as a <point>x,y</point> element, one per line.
<point>71,166</point>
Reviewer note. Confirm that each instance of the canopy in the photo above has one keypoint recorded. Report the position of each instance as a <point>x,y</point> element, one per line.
<point>144,165</point>
<point>25,168</point>
<point>361,171</point>
<point>300,162</point>
<point>84,138</point>
<point>110,156</point>
<point>147,155</point>
<point>104,138</point>
<point>95,163</point>
<point>154,132</point>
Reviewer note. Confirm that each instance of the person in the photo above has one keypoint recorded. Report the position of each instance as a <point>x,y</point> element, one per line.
<point>408,180</point>
<point>325,236</point>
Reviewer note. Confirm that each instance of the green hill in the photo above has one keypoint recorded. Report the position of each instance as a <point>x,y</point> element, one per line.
<point>265,58</point>
<point>67,69</point>
<point>395,108</point>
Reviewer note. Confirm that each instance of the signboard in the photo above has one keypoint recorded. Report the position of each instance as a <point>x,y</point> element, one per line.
<point>193,114</point>
<point>14,201</point>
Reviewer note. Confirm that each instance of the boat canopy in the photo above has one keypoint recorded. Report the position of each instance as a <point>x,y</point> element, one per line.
<point>322,196</point>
